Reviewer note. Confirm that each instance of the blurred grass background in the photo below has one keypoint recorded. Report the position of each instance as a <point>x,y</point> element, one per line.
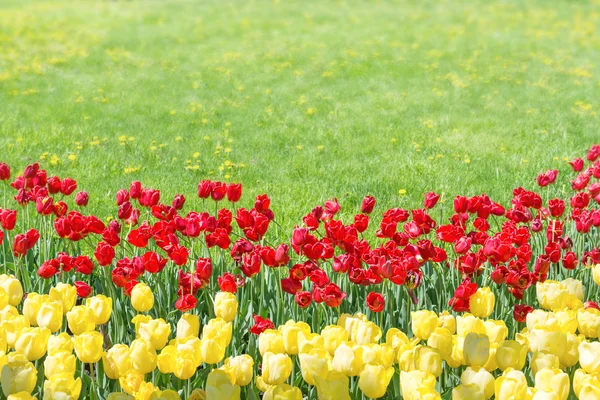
<point>303,100</point>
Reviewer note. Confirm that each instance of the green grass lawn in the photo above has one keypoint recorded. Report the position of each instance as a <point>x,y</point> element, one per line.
<point>303,100</point>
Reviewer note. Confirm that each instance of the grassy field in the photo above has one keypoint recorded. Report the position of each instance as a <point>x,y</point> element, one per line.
<point>303,100</point>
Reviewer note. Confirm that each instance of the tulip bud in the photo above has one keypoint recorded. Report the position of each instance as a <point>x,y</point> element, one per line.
<point>102,308</point>
<point>482,302</point>
<point>476,349</point>
<point>374,380</point>
<point>142,298</point>
<point>225,306</point>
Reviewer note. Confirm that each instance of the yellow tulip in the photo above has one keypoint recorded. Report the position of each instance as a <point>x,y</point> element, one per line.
<point>18,375</point>
<point>3,344</point>
<point>589,357</point>
<point>12,287</point>
<point>552,295</point>
<point>143,356</point>
<point>549,341</point>
<point>542,319</point>
<point>33,342</point>
<point>167,359</point>
<point>511,385</point>
<point>590,392</point>
<point>582,379</point>
<point>366,332</point>
<point>496,331</point>
<point>553,381</point>
<point>219,330</point>
<point>315,363</point>
<point>276,368</point>
<point>307,342</point>
<point>567,320</point>
<point>476,349</point>
<point>271,340</point>
<point>596,274</point>
<point>374,380</point>
<point>164,395</point>
<point>441,339</point>
<point>381,354</point>
<point>225,306</point>
<point>282,392</point>
<point>511,354</point>
<point>541,360</point>
<point>242,367</point>
<point>102,307</point>
<point>411,382</point>
<point>81,319</point>
<point>8,312</point>
<point>570,355</point>
<point>469,324</point>
<point>62,386</point>
<point>21,396</point>
<point>428,359</point>
<point>60,343</point>
<point>58,363</point>
<point>481,378</point>
<point>142,298</point>
<point>333,335</point>
<point>218,386</point>
<point>575,288</point>
<point>186,363</point>
<point>140,319</point>
<point>423,323</point>
<point>119,396</point>
<point>589,322</point>
<point>491,364</point>
<point>349,322</point>
<point>192,346</point>
<point>347,359</point>
<point>333,386</point>
<point>3,298</point>
<point>212,351</point>
<point>131,381</point>
<point>66,294</point>
<point>290,333</point>
<point>447,321</point>
<point>197,394</point>
<point>156,332</point>
<point>145,390</point>
<point>482,302</point>
<point>467,392</point>
<point>188,325</point>
<point>396,338</point>
<point>50,315</point>
<point>116,361</point>
<point>89,346</point>
<point>31,306</point>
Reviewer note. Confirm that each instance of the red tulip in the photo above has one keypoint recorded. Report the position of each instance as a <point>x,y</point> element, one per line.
<point>83,289</point>
<point>60,208</point>
<point>367,205</point>
<point>234,192</point>
<point>81,199</point>
<point>218,191</point>
<point>122,196</point>
<point>135,190</point>
<point>4,172</point>
<point>104,254</point>
<point>68,186</point>
<point>570,260</point>
<point>594,153</point>
<point>375,301</point>
<point>44,205</point>
<point>520,312</point>
<point>204,269</point>
<point>291,285</point>
<point>149,197</point>
<point>179,255</point>
<point>577,164</point>
<point>186,303</point>
<point>48,269</point>
<point>261,324</point>
<point>332,295</point>
<point>303,299</point>
<point>431,200</point>
<point>556,207</point>
<point>8,219</point>
<point>227,283</point>
<point>547,177</point>
<point>361,222</point>
<point>83,265</point>
<point>178,202</point>
<point>580,200</point>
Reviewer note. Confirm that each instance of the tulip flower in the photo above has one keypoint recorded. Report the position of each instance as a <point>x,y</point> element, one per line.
<point>511,354</point>
<point>276,368</point>
<point>476,349</point>
<point>13,288</point>
<point>270,340</point>
<point>554,382</point>
<point>31,306</point>
<point>467,392</point>
<point>188,325</point>
<point>143,356</point>
<point>347,359</point>
<point>333,386</point>
<point>60,343</point>
<point>66,293</point>
<point>290,331</point>
<point>88,346</point>
<point>225,306</point>
<point>131,381</point>
<point>58,363</point>
<point>81,319</point>
<point>414,381</point>
<point>481,303</point>
<point>142,298</point>
<point>333,336</point>
<point>18,375</point>
<point>282,392</point>
<point>441,339</point>
<point>469,324</point>
<point>428,359</point>
<point>511,385</point>
<point>589,357</point>
<point>102,308</point>
<point>424,323</point>
<point>366,332</point>
<point>62,386</point>
<point>315,363</point>
<point>543,360</point>
<point>374,380</point>
<point>33,342</point>
<point>481,378</point>
<point>547,340</point>
<point>156,332</point>
<point>50,315</point>
<point>219,386</point>
<point>242,369</point>
<point>589,322</point>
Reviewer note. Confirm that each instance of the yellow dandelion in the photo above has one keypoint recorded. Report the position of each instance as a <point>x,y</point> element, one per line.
<point>196,154</point>
<point>320,147</point>
<point>173,112</point>
<point>467,160</point>
<point>206,138</point>
<point>402,192</point>
<point>72,157</point>
<point>178,139</point>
